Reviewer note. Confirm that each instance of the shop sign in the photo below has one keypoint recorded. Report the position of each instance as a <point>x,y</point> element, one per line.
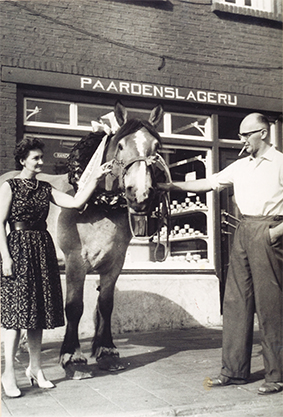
<point>137,89</point>
<point>60,155</point>
<point>157,91</point>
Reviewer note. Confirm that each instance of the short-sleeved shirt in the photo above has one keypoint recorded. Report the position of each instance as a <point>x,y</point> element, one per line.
<point>258,183</point>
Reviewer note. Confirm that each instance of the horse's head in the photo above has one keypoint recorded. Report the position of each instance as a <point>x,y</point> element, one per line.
<point>134,148</point>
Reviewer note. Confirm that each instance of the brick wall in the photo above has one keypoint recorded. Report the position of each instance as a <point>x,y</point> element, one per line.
<point>126,40</point>
<point>8,117</point>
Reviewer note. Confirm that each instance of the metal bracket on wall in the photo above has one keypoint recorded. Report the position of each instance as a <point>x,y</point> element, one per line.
<point>224,221</point>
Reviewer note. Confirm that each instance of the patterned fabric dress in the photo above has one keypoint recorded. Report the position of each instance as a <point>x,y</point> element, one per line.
<point>32,299</point>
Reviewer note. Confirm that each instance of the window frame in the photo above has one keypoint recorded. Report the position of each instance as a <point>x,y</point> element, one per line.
<point>266,9</point>
<point>75,126</point>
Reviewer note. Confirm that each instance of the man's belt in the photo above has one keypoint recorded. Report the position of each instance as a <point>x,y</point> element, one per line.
<point>41,226</point>
<point>278,218</point>
<point>275,218</point>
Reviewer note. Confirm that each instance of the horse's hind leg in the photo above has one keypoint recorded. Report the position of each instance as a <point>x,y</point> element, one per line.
<point>72,359</point>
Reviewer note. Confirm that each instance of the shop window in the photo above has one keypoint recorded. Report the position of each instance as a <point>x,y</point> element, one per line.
<point>186,126</point>
<point>87,113</point>
<point>268,9</point>
<point>229,127</point>
<point>44,111</point>
<point>264,5</point>
<point>78,116</point>
<point>190,244</point>
<point>71,115</point>
<point>190,125</point>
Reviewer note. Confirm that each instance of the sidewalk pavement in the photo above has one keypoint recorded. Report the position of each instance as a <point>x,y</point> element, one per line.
<point>165,376</point>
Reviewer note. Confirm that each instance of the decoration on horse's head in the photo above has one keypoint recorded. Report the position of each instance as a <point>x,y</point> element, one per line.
<point>106,142</point>
<point>109,128</point>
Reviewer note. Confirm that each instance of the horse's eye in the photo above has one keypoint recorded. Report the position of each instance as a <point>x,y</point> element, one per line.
<point>157,147</point>
<point>120,147</point>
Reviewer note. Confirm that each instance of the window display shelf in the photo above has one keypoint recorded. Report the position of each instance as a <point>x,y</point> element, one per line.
<point>187,211</point>
<point>190,240</point>
<point>180,238</point>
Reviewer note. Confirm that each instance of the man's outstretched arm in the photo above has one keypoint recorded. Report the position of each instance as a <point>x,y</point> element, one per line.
<point>197,186</point>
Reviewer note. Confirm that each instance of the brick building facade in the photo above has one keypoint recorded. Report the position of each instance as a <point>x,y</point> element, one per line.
<point>209,62</point>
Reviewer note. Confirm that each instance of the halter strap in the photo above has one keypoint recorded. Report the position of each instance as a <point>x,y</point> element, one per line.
<point>149,160</point>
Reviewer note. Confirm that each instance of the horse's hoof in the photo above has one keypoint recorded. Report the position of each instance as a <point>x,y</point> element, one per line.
<point>110,363</point>
<point>78,371</point>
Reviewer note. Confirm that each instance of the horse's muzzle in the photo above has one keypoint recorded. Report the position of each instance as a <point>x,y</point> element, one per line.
<point>141,207</point>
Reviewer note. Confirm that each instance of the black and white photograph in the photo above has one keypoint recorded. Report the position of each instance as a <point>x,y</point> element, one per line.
<point>141,208</point>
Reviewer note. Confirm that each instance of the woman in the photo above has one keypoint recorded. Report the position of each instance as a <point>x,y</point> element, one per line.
<point>31,296</point>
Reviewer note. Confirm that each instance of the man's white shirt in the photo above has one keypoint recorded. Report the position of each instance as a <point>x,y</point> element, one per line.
<point>258,183</point>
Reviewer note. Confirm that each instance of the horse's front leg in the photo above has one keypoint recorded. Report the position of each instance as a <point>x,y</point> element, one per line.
<point>103,348</point>
<point>72,359</point>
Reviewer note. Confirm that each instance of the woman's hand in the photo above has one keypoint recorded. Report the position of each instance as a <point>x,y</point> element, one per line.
<point>103,170</point>
<point>7,267</point>
<point>64,200</point>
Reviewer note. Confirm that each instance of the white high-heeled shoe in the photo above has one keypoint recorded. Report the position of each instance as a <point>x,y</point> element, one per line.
<point>39,379</point>
<point>10,392</point>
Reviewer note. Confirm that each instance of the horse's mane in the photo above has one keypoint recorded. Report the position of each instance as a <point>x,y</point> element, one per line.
<point>82,152</point>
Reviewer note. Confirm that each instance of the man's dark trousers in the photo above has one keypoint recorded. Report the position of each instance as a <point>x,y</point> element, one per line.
<point>254,284</point>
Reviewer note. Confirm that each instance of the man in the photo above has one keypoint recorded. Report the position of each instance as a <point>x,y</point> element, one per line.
<point>254,281</point>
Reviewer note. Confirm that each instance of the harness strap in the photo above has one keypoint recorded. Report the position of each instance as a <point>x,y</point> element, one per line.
<point>149,160</point>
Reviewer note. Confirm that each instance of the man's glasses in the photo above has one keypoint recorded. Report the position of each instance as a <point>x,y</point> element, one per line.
<point>248,134</point>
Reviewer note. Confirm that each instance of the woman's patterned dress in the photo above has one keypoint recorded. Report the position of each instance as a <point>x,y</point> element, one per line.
<point>32,298</point>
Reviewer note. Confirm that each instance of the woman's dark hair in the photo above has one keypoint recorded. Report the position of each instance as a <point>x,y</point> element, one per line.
<point>24,147</point>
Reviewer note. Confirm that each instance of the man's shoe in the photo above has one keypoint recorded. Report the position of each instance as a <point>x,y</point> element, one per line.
<point>270,388</point>
<point>222,381</point>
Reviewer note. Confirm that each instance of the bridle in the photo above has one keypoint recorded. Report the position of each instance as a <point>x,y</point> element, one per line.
<point>149,161</point>
<point>163,213</point>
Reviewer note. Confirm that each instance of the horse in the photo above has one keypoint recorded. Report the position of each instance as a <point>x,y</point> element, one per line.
<point>97,238</point>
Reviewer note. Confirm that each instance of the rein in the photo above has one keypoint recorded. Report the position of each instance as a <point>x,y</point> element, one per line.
<point>163,217</point>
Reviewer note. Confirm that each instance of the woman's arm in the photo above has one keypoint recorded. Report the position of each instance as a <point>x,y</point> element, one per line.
<point>78,201</point>
<point>6,200</point>
<point>197,186</point>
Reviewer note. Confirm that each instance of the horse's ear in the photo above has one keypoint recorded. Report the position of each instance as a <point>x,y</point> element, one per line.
<point>156,115</point>
<point>120,113</point>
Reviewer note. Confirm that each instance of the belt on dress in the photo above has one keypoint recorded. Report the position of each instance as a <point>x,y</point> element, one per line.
<point>41,226</point>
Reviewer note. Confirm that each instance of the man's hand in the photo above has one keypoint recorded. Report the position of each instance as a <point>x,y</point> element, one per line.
<point>274,235</point>
<point>165,186</point>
